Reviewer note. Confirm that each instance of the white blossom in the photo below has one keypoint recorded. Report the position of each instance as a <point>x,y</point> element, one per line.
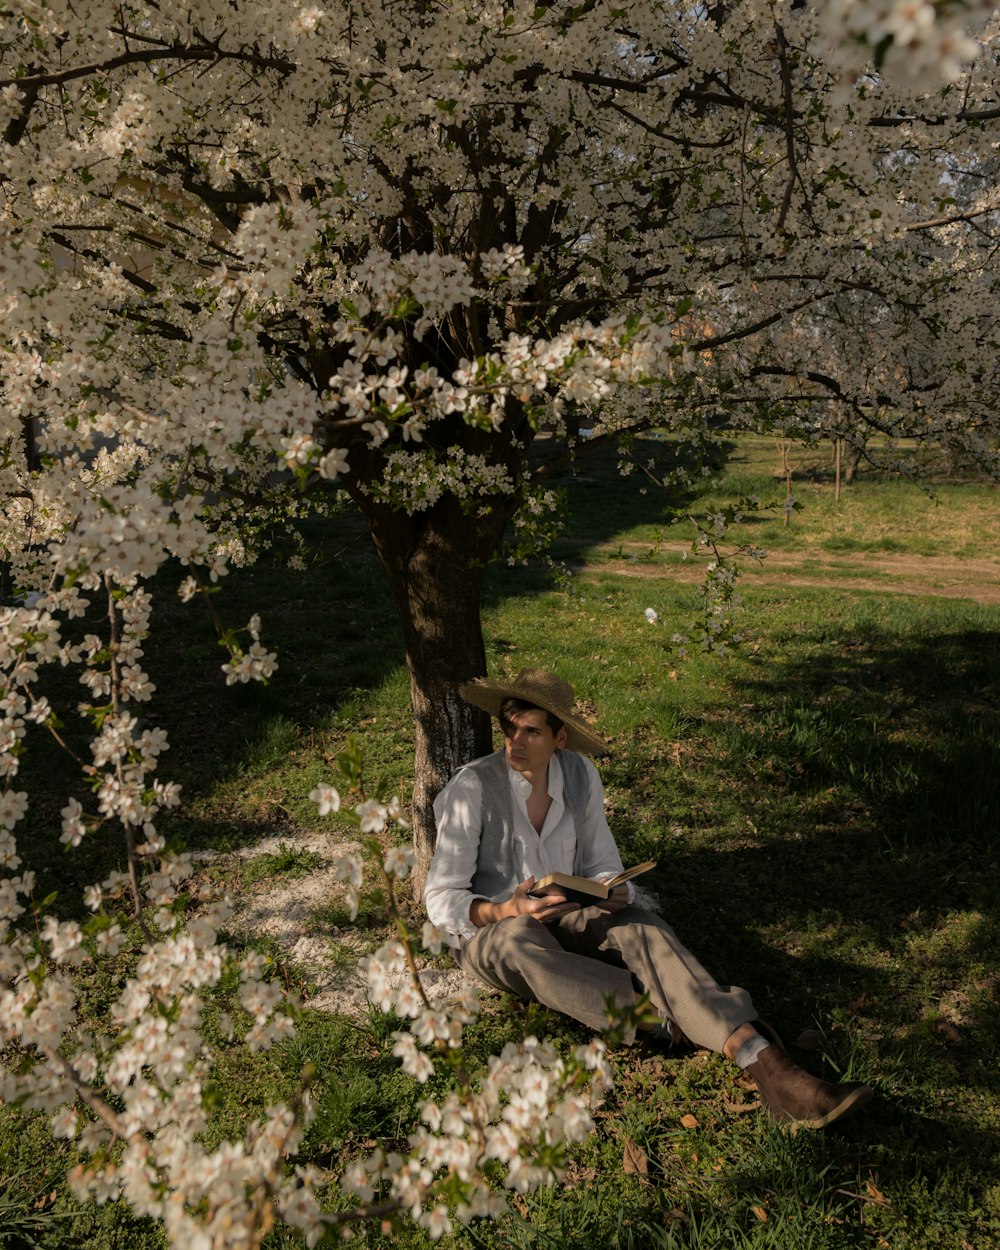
<point>399,861</point>
<point>326,798</point>
<point>372,816</point>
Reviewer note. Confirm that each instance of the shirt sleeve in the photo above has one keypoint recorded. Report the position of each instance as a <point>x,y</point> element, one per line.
<point>597,852</point>
<point>448,894</point>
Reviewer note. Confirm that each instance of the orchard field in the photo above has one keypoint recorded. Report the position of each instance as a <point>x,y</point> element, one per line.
<point>823,805</point>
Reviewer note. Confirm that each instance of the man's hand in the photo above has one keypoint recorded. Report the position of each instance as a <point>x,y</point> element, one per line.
<point>520,903</point>
<point>549,907</point>
<point>617,899</point>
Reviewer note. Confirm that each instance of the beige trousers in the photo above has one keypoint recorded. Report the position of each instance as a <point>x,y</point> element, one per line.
<point>576,964</point>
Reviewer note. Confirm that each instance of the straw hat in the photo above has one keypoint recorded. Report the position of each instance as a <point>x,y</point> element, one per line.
<point>544,690</point>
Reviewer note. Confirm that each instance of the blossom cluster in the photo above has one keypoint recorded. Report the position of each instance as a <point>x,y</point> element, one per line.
<point>139,1077</point>
<point>919,41</point>
<point>528,1107</point>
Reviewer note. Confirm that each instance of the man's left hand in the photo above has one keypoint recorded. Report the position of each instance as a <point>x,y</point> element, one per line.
<point>617,899</point>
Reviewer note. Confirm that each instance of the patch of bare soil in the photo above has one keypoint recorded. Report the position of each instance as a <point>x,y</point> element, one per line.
<point>291,910</point>
<point>978,580</point>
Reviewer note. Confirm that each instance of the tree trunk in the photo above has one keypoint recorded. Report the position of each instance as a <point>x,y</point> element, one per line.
<point>434,562</point>
<point>853,464</point>
<point>838,447</point>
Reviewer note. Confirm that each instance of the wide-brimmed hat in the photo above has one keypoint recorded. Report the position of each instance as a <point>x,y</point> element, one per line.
<point>544,690</point>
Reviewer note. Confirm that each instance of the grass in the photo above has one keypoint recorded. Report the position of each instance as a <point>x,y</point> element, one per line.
<point>287,861</point>
<point>823,807</point>
<point>876,515</point>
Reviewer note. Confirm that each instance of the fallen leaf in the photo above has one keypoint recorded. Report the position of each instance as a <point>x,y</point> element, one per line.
<point>875,1194</point>
<point>576,1175</point>
<point>688,1121</point>
<point>760,1213</point>
<point>634,1159</point>
<point>737,1108</point>
<point>946,1029</point>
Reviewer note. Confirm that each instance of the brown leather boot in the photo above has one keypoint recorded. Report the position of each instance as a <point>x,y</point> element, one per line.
<point>795,1098</point>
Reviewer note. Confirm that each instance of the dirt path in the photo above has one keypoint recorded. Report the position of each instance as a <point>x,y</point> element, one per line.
<point>978,580</point>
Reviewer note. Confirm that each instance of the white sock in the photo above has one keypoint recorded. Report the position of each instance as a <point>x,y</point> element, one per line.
<point>748,1052</point>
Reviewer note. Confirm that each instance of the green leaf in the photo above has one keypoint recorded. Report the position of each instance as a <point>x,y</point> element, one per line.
<point>350,760</point>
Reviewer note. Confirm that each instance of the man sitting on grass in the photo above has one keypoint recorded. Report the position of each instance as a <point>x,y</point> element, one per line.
<point>536,807</point>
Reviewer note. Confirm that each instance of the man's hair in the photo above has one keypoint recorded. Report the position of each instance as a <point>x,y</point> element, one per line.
<point>511,706</point>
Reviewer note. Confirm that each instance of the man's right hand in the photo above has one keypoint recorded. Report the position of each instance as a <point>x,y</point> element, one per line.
<point>549,907</point>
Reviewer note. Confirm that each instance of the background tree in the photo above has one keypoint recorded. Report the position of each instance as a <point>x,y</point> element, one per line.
<point>362,238</point>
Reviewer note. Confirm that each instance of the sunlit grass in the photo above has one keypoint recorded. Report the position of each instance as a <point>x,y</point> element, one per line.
<point>940,517</point>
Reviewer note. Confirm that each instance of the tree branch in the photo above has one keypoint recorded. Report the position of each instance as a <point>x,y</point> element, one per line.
<point>951,219</point>
<point>146,56</point>
<point>786,84</point>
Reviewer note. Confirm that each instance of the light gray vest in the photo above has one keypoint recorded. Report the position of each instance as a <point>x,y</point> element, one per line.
<point>496,871</point>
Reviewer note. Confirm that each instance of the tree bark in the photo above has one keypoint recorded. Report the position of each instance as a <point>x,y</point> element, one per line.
<point>838,447</point>
<point>854,458</point>
<point>434,562</point>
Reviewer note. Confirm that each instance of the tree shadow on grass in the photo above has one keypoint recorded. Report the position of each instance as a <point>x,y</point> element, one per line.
<point>339,643</point>
<point>335,632</point>
<point>863,906</point>
<point>908,726</point>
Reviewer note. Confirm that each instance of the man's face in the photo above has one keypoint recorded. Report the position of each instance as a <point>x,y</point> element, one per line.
<point>530,742</point>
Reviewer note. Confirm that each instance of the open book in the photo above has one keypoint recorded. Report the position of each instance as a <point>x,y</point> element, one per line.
<point>585,890</point>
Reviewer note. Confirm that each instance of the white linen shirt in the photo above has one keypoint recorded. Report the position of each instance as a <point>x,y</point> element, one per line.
<point>448,894</point>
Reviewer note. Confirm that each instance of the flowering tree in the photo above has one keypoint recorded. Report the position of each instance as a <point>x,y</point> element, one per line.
<point>385,244</point>
<point>379,246</point>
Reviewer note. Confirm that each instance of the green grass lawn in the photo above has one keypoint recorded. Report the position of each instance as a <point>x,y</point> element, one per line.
<point>931,516</point>
<point>823,806</point>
